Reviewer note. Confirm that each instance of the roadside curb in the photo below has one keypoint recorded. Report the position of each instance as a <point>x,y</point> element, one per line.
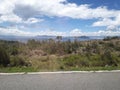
<point>60,72</point>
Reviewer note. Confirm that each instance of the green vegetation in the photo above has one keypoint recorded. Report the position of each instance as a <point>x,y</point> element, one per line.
<point>56,55</point>
<point>17,69</point>
<point>4,57</point>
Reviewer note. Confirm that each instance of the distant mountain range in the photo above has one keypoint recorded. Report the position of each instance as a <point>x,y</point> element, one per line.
<point>45,37</point>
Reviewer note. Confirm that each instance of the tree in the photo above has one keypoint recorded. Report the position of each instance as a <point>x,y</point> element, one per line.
<point>4,57</point>
<point>59,38</point>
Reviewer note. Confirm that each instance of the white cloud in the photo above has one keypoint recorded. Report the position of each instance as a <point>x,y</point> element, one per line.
<point>31,8</point>
<point>16,19</point>
<point>76,32</point>
<point>111,24</point>
<point>58,8</point>
<point>52,33</point>
<point>17,32</point>
<point>10,18</point>
<point>25,11</point>
<point>108,21</point>
<point>14,31</point>
<point>103,22</point>
<point>112,28</point>
<point>108,33</point>
<point>6,6</point>
<point>33,20</point>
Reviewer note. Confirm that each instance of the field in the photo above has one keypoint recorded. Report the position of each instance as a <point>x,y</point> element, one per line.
<point>56,55</point>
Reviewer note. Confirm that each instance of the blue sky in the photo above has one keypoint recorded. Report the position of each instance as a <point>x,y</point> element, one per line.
<point>60,17</point>
<point>111,4</point>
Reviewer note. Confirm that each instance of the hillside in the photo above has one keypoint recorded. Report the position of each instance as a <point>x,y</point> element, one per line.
<point>56,55</point>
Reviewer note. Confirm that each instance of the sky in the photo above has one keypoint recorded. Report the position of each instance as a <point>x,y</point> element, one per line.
<point>60,17</point>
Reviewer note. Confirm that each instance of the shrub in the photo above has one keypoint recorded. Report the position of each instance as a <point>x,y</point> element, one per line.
<point>108,59</point>
<point>17,61</point>
<point>110,38</point>
<point>75,60</point>
<point>4,57</point>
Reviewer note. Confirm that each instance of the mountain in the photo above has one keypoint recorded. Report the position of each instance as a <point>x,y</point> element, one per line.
<point>45,37</point>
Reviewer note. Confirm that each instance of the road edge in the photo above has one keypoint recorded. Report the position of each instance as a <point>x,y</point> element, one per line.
<point>60,72</point>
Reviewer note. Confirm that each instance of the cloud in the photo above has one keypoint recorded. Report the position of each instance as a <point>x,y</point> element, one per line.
<point>52,33</point>
<point>76,32</point>
<point>25,11</point>
<point>112,28</point>
<point>6,6</point>
<point>14,31</point>
<point>79,32</point>
<point>18,32</point>
<point>10,18</point>
<point>60,8</point>
<point>10,12</point>
<point>107,22</point>
<point>33,20</point>
<point>15,19</point>
<point>111,24</point>
<point>108,33</point>
<point>28,11</point>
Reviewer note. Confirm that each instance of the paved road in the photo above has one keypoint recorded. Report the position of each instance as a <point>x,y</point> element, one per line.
<point>63,81</point>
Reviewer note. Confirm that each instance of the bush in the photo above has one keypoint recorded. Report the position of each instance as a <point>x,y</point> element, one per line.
<point>14,51</point>
<point>4,57</point>
<point>108,59</point>
<point>110,38</point>
<point>75,61</point>
<point>17,61</point>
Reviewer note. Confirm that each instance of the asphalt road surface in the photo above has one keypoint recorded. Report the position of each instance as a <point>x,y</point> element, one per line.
<point>61,81</point>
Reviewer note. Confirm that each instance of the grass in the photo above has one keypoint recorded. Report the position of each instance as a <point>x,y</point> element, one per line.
<point>109,68</point>
<point>17,69</point>
<point>30,69</point>
<point>53,63</point>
